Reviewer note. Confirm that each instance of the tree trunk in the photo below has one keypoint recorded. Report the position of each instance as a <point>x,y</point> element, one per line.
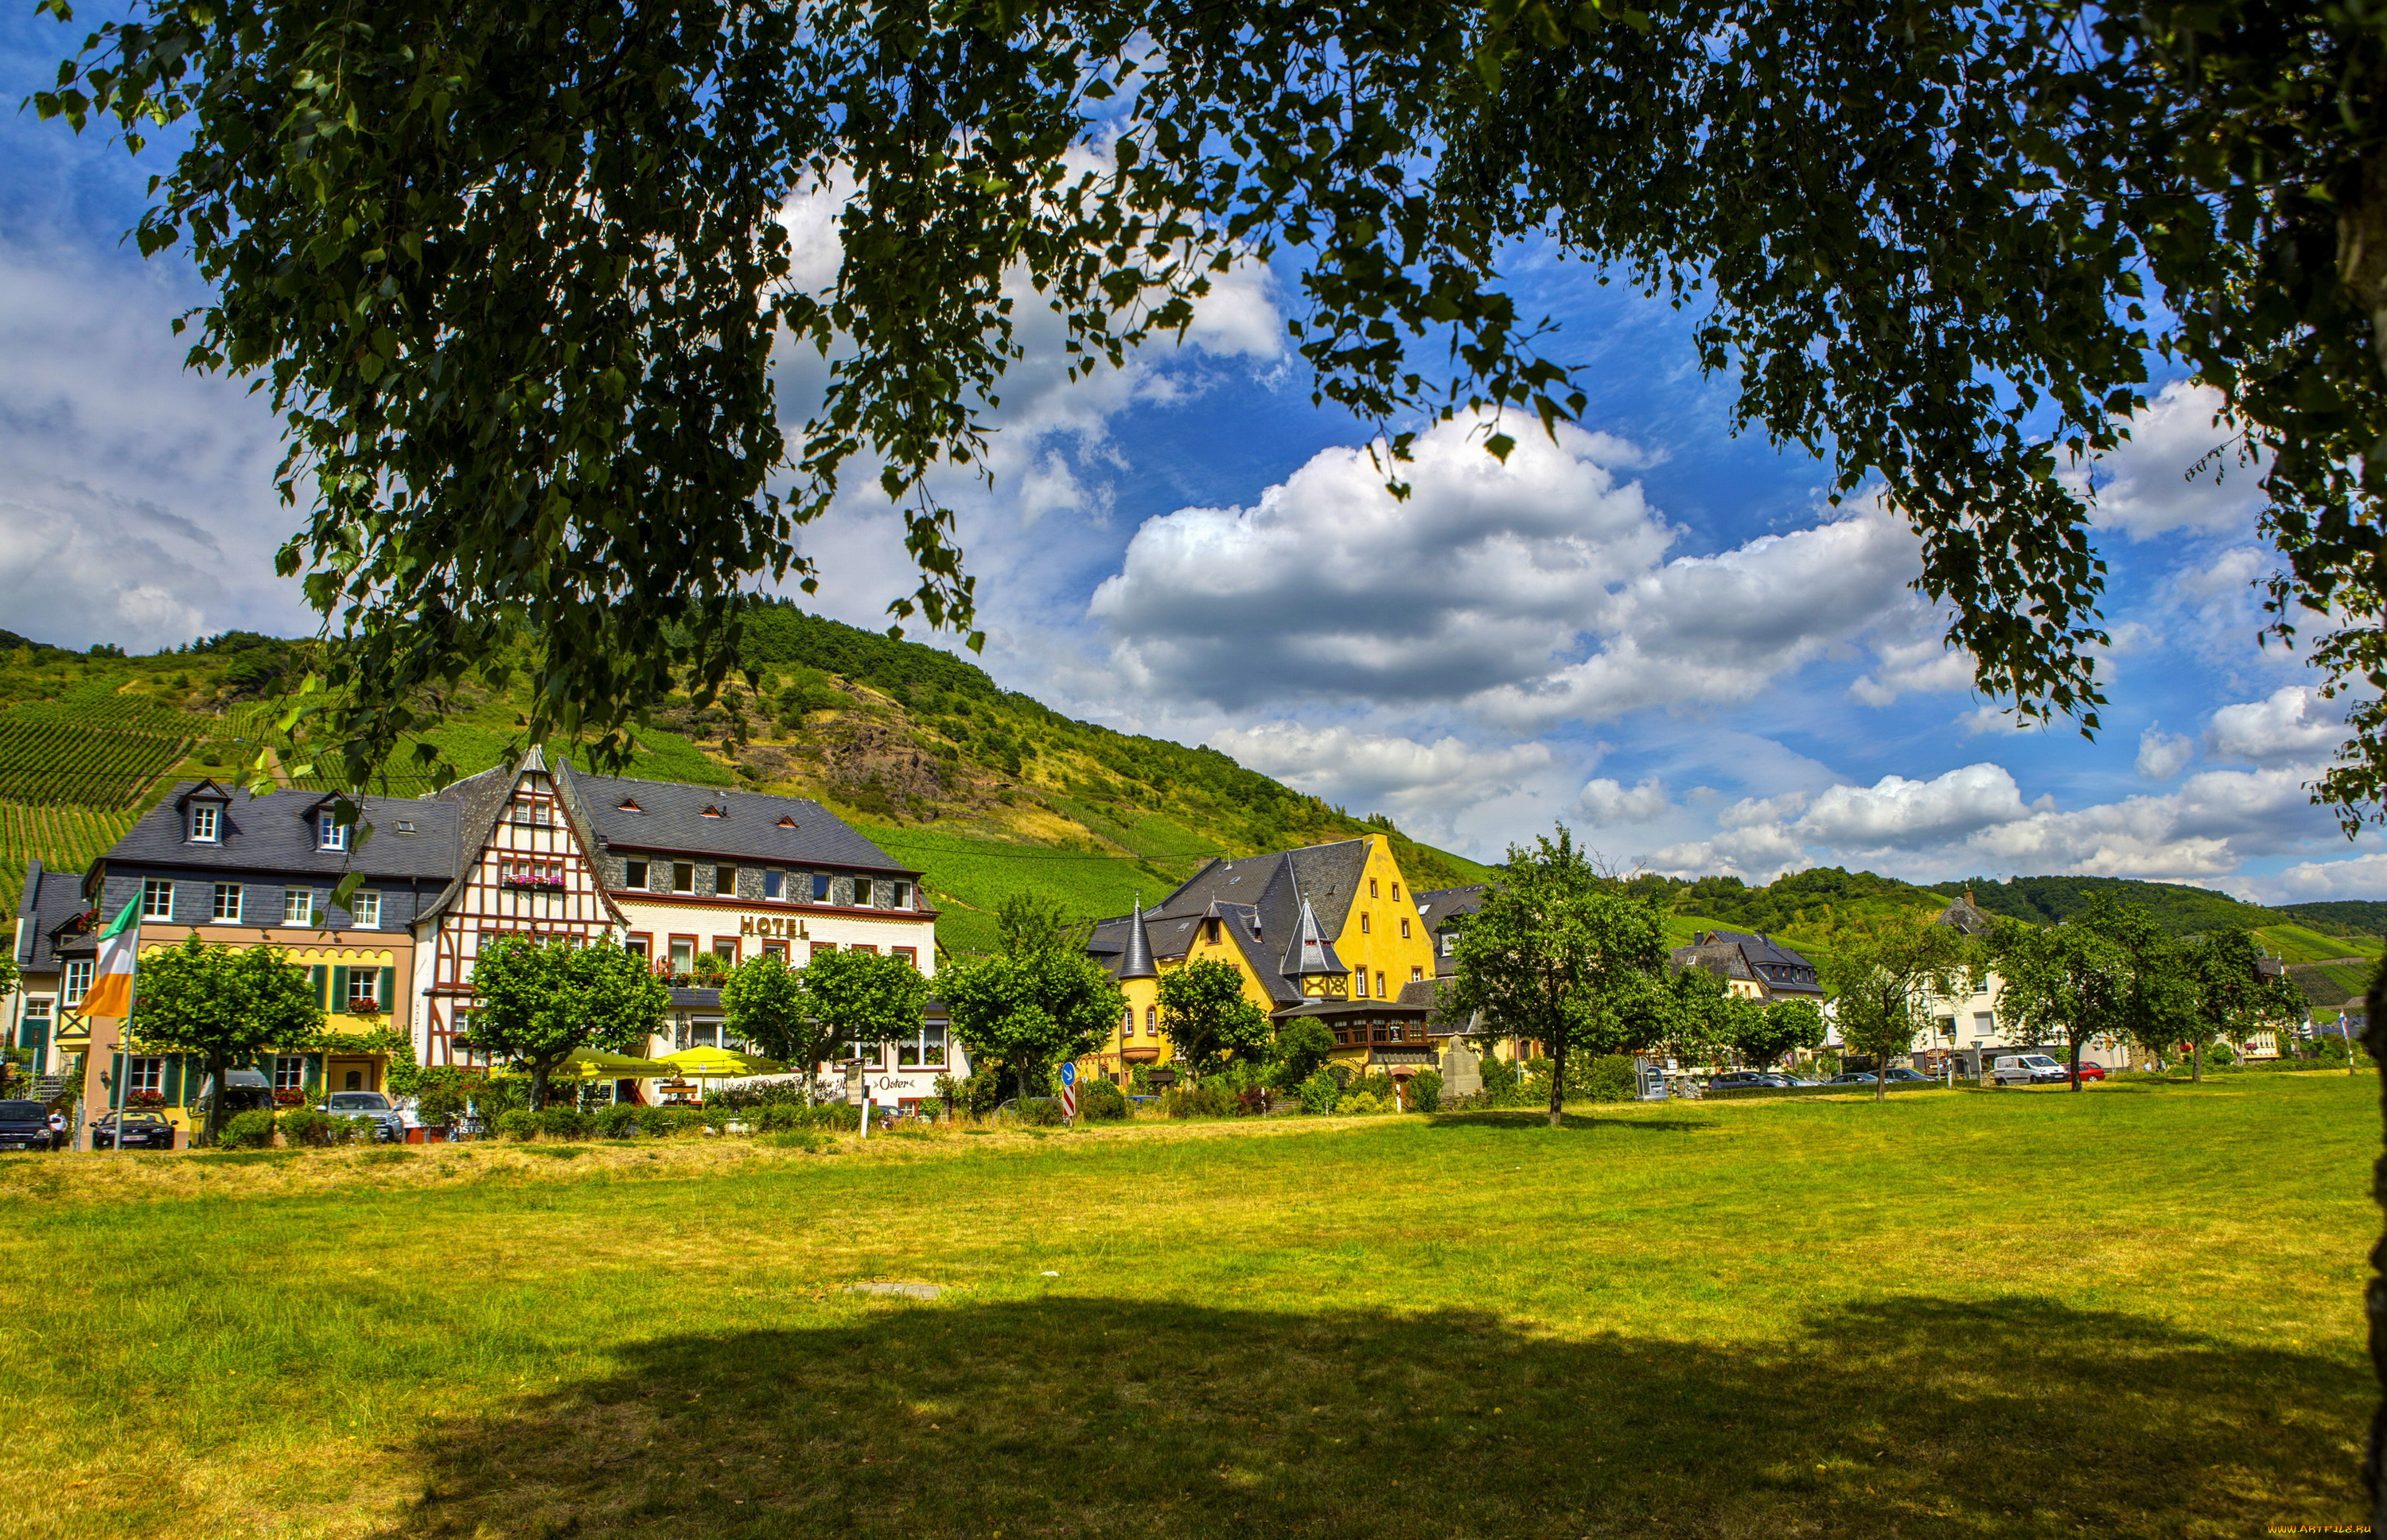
<point>2075,1063</point>
<point>2374,1038</point>
<point>2196,1064</point>
<point>1557,1083</point>
<point>1881,1078</point>
<point>217,1070</point>
<point>537,1086</point>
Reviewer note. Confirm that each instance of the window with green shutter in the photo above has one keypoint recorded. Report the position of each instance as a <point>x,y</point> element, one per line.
<point>339,989</point>
<point>321,977</point>
<point>173,1079</point>
<point>389,994</point>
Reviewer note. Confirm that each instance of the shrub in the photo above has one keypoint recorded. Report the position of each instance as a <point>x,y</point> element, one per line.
<point>1426,1090</point>
<point>1319,1092</point>
<point>1036,1112</point>
<point>1199,1101</point>
<point>1101,1102</point>
<point>1612,1079</point>
<point>2219,1057</point>
<point>1355,1102</point>
<point>561,1123</point>
<point>440,1095</point>
<point>304,1126</point>
<point>618,1121</point>
<point>246,1130</point>
<point>808,1140</point>
<point>517,1124</point>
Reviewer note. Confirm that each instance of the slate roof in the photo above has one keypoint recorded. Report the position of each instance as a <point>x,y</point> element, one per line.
<point>1308,953</point>
<point>50,901</point>
<point>1965,915</point>
<point>1261,896</point>
<point>1746,955</point>
<point>671,817</point>
<point>272,833</point>
<point>1137,962</point>
<point>1437,907</point>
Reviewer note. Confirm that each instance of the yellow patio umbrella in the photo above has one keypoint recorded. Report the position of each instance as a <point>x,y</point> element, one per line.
<point>720,1064</point>
<point>595,1063</point>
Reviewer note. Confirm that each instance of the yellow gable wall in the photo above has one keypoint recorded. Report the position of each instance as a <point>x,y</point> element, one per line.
<point>1380,947</point>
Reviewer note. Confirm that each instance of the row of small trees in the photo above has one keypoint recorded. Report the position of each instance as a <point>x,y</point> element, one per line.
<point>1561,952</point>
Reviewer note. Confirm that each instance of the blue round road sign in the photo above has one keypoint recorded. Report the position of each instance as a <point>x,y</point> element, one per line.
<point>1069,1074</point>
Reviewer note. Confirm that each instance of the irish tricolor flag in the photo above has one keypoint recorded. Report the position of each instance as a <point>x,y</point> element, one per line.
<point>112,982</point>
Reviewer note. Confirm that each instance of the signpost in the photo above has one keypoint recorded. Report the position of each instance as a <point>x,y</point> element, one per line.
<point>1069,1091</point>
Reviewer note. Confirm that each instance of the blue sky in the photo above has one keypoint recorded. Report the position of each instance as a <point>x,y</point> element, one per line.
<point>1653,630</point>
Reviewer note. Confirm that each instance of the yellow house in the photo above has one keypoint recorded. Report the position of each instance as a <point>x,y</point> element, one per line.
<point>1330,931</point>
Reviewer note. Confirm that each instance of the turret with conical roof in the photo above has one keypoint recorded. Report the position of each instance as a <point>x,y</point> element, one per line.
<point>1137,962</point>
<point>1309,955</point>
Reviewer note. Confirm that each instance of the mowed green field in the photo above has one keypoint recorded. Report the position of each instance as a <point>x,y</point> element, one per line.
<point>2130,1311</point>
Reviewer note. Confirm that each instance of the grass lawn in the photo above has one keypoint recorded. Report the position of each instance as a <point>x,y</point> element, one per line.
<point>2132,1311</point>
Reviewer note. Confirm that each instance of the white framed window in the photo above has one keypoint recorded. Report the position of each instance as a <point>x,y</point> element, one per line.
<point>1361,988</point>
<point>634,873</point>
<point>227,905</point>
<point>899,895</point>
<point>330,833</point>
<point>297,906</point>
<point>820,887</point>
<point>922,1050</point>
<point>37,1009</point>
<point>536,811</point>
<point>1405,928</point>
<point>77,982</point>
<point>1449,943</point>
<point>862,892</point>
<point>364,908</point>
<point>290,1072</point>
<point>144,1074</point>
<point>364,988</point>
<point>724,882</point>
<point>203,823</point>
<point>157,899</point>
<point>775,884</point>
<point>683,877</point>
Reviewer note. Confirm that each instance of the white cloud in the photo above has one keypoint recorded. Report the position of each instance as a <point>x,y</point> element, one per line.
<point>2358,877</point>
<point>1897,813</point>
<point>2180,470</point>
<point>1372,771</point>
<point>1329,587</point>
<point>2163,756</point>
<point>2294,725</point>
<point>1606,801</point>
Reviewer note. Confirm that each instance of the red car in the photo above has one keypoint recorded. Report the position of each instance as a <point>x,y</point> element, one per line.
<point>2091,1072</point>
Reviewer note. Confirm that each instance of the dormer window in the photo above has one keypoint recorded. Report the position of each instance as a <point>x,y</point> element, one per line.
<point>330,833</point>
<point>630,805</point>
<point>787,823</point>
<point>712,811</point>
<point>204,823</point>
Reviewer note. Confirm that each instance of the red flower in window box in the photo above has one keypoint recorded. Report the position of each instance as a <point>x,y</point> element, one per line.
<point>144,1099</point>
<point>288,1096</point>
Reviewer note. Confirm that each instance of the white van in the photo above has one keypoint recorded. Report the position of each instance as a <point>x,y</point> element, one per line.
<point>2029,1069</point>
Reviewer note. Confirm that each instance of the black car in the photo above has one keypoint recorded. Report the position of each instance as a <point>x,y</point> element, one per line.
<point>1743,1080</point>
<point>1865,1077</point>
<point>143,1131</point>
<point>24,1126</point>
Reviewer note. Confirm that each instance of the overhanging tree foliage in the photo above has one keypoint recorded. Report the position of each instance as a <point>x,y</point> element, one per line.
<point>863,999</point>
<point>223,1005</point>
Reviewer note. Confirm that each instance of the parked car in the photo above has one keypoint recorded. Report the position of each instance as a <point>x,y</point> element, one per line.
<point>243,1090</point>
<point>143,1131</point>
<point>24,1126</point>
<point>1742,1080</point>
<point>1901,1076</point>
<point>390,1123</point>
<point>2029,1069</point>
<point>2091,1072</point>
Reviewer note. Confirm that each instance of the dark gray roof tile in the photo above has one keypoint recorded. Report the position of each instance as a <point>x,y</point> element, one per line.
<point>411,838</point>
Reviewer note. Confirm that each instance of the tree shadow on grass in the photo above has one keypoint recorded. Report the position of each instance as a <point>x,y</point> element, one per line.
<point>1070,1417</point>
<point>1530,1119</point>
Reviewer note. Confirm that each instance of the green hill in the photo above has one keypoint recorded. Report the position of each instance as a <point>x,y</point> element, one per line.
<point>986,789</point>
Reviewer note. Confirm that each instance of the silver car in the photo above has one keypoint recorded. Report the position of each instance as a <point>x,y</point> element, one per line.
<point>391,1129</point>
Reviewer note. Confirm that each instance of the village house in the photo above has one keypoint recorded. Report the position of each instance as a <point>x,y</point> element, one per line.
<point>54,947</point>
<point>695,878</point>
<point>240,869</point>
<point>1325,931</point>
<point>1753,967</point>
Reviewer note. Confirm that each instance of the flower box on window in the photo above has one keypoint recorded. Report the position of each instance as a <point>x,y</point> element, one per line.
<point>534,879</point>
<point>144,1099</point>
<point>289,1095</point>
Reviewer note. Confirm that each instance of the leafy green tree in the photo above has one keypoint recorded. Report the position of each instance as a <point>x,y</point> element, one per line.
<point>1208,1018</point>
<point>222,1004</point>
<point>2109,973</point>
<point>1764,1034</point>
<point>1032,922</point>
<point>863,999</point>
<point>2230,999</point>
<point>1884,983</point>
<point>1302,1045</point>
<point>536,1002</point>
<point>1558,954</point>
<point>763,1001</point>
<point>1695,1017</point>
<point>1030,1011</point>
